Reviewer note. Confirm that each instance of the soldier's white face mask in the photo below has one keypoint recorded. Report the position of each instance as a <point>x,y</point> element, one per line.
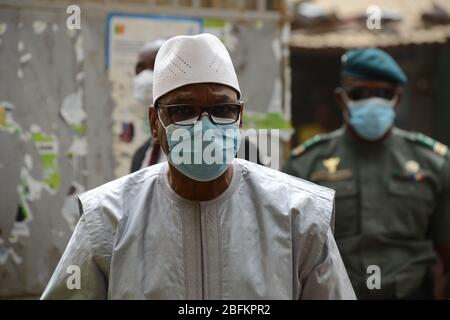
<point>143,87</point>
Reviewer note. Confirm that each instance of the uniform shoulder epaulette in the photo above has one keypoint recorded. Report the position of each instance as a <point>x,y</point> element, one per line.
<point>427,142</point>
<point>308,144</point>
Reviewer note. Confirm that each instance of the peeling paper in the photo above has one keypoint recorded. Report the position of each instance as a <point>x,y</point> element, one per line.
<point>78,148</point>
<point>3,28</point>
<point>20,46</point>
<point>30,189</point>
<point>25,58</point>
<point>20,229</point>
<point>27,192</point>
<point>26,136</point>
<point>6,252</point>
<point>20,73</point>
<point>48,149</point>
<point>70,210</point>
<point>28,161</point>
<point>79,52</point>
<point>72,110</point>
<point>7,122</point>
<point>39,27</point>
<point>80,76</point>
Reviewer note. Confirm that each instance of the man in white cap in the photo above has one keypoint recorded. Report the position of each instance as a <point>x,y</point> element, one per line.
<point>193,228</point>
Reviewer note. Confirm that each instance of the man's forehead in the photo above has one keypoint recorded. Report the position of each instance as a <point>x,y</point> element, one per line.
<point>218,92</point>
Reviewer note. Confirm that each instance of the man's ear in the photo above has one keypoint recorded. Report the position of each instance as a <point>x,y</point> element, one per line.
<point>240,117</point>
<point>153,120</point>
<point>399,94</point>
<point>340,96</point>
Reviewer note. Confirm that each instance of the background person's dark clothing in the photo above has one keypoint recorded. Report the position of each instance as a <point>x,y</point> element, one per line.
<point>392,206</point>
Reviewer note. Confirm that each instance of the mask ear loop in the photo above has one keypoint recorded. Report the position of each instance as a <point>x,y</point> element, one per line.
<point>394,101</point>
<point>346,115</point>
<point>165,129</point>
<point>160,120</point>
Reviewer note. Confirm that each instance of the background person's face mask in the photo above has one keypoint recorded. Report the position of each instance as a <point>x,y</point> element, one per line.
<point>371,118</point>
<point>208,148</point>
<point>143,87</point>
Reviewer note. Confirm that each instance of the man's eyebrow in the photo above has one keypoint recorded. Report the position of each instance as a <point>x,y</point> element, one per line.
<point>188,97</point>
<point>181,97</point>
<point>224,98</point>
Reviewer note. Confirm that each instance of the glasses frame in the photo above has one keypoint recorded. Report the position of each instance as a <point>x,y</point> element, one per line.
<point>204,109</point>
<point>351,92</point>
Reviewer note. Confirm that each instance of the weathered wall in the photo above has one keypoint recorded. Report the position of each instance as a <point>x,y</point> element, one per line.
<point>41,64</point>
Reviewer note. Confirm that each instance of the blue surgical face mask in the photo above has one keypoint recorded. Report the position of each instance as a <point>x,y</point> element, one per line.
<point>371,118</point>
<point>202,151</point>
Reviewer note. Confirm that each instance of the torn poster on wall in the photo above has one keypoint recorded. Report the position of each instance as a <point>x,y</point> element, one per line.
<point>7,122</point>
<point>73,113</point>
<point>47,148</point>
<point>6,252</point>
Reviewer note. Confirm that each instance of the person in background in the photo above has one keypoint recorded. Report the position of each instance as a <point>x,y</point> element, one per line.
<point>150,152</point>
<point>392,186</point>
<point>192,228</point>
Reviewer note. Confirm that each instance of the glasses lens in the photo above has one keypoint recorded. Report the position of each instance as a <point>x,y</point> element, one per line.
<point>189,114</point>
<point>386,93</point>
<point>225,114</point>
<point>183,114</point>
<point>360,93</point>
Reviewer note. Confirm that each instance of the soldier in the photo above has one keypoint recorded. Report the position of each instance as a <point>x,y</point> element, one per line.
<point>392,186</point>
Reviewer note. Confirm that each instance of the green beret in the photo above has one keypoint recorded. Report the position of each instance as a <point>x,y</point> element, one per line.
<point>372,64</point>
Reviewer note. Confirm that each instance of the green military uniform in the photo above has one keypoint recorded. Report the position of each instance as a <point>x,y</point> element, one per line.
<point>392,204</point>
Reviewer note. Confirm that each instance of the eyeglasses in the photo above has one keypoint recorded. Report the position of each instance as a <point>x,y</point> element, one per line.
<point>359,93</point>
<point>187,115</point>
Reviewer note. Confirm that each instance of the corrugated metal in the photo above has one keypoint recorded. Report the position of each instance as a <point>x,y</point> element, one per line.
<point>411,30</point>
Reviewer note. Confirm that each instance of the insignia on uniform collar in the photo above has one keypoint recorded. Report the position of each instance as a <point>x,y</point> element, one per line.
<point>440,149</point>
<point>331,164</point>
<point>434,145</point>
<point>306,145</point>
<point>298,150</point>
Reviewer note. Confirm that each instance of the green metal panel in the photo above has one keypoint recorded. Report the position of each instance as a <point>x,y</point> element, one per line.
<point>442,95</point>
